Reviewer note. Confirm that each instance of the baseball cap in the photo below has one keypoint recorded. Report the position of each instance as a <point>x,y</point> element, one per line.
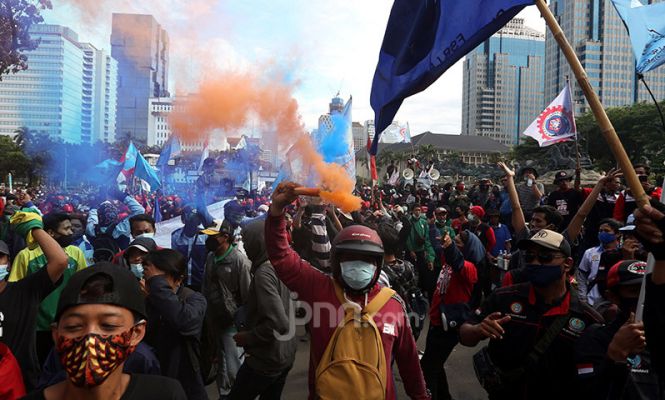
<point>627,272</point>
<point>630,224</point>
<point>440,210</point>
<point>478,211</point>
<point>263,207</point>
<point>218,227</point>
<point>125,291</point>
<point>146,245</point>
<point>4,249</point>
<point>562,176</point>
<point>549,240</point>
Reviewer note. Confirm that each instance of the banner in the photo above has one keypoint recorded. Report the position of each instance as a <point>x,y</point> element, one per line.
<point>556,123</point>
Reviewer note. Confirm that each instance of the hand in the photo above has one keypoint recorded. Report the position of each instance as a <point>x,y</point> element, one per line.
<point>430,266</point>
<point>509,172</point>
<point>241,338</point>
<point>446,241</point>
<point>531,176</point>
<point>646,222</point>
<point>282,196</point>
<point>611,175</point>
<point>491,327</point>
<point>630,246</point>
<point>413,255</point>
<point>628,340</point>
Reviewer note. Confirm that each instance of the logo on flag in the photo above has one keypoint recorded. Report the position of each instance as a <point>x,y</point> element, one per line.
<point>556,123</point>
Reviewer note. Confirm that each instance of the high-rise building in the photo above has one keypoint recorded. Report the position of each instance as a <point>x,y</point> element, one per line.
<point>141,47</point>
<point>597,34</point>
<point>67,92</point>
<point>503,83</point>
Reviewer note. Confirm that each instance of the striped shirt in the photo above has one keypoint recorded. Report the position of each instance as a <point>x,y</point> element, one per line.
<point>320,241</point>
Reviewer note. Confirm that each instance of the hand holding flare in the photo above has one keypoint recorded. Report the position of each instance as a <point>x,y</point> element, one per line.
<point>345,201</point>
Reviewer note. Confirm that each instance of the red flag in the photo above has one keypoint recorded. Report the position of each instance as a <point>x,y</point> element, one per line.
<point>372,164</point>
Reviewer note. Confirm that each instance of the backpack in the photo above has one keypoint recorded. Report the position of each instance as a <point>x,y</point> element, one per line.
<point>354,360</point>
<point>104,245</point>
<point>203,354</point>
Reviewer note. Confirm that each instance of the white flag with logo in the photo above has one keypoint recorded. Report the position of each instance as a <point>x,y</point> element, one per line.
<point>556,123</point>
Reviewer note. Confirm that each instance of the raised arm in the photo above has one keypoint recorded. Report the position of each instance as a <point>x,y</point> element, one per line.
<point>575,226</point>
<point>519,224</point>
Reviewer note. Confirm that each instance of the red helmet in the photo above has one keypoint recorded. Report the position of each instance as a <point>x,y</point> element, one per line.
<point>478,211</point>
<point>361,240</point>
<point>68,208</point>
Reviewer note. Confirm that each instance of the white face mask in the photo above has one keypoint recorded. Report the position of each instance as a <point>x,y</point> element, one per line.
<point>357,274</point>
<point>137,270</point>
<point>148,235</point>
<point>4,271</point>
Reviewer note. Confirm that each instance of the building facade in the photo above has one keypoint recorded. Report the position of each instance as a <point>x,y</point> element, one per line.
<point>503,84</point>
<point>597,34</point>
<point>68,91</point>
<point>141,47</point>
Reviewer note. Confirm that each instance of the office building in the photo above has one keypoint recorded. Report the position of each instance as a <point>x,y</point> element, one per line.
<point>597,34</point>
<point>141,47</point>
<point>503,84</point>
<point>67,92</point>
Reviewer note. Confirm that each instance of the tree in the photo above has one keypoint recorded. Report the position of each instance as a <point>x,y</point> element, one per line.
<point>384,158</point>
<point>16,18</point>
<point>13,159</point>
<point>428,152</point>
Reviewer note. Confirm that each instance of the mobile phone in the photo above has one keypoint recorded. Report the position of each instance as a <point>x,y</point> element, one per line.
<point>529,182</point>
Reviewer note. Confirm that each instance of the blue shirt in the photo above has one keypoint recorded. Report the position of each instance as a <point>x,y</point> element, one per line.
<point>502,234</point>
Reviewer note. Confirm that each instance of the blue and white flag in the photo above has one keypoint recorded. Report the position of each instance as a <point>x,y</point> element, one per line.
<point>147,173</point>
<point>170,150</point>
<point>646,28</point>
<point>334,140</point>
<point>423,39</point>
<point>556,123</point>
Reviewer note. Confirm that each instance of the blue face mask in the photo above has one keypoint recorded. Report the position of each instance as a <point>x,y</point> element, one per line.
<point>542,275</point>
<point>4,271</point>
<point>606,237</point>
<point>137,270</point>
<point>357,274</point>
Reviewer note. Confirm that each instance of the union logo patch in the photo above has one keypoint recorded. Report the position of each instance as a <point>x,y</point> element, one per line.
<point>576,325</point>
<point>516,308</point>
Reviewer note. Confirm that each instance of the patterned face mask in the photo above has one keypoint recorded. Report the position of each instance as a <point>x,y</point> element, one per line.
<point>90,359</point>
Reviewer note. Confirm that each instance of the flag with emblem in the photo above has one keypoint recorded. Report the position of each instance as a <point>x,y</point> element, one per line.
<point>646,28</point>
<point>556,123</point>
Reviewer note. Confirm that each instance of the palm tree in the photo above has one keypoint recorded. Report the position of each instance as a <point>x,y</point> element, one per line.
<point>400,158</point>
<point>384,158</point>
<point>427,152</point>
<point>22,136</point>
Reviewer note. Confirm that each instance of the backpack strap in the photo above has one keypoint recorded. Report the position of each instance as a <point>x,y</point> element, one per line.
<point>378,302</point>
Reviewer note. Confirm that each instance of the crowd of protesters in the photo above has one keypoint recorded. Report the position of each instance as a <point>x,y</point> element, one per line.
<point>548,272</point>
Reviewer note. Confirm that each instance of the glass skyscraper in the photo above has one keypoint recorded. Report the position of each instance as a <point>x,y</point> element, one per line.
<point>67,86</point>
<point>503,83</point>
<point>141,47</point>
<point>597,34</point>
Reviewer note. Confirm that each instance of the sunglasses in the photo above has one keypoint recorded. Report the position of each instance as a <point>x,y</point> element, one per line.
<point>545,258</point>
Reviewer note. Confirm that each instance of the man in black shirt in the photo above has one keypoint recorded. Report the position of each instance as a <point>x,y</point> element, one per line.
<point>19,301</point>
<point>100,320</point>
<point>517,318</point>
<point>566,200</point>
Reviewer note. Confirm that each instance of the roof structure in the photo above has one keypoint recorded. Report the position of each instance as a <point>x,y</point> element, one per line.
<point>459,143</point>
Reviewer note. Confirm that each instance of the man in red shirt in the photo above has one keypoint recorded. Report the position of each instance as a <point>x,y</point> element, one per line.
<point>359,287</point>
<point>448,311</point>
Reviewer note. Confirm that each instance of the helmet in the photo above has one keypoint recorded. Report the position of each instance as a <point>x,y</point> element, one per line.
<point>361,240</point>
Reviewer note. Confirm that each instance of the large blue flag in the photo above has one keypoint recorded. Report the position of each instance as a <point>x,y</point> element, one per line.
<point>146,172</point>
<point>170,150</point>
<point>423,39</point>
<point>646,28</point>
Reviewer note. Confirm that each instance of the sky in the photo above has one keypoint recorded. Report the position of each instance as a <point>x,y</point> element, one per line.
<point>324,46</point>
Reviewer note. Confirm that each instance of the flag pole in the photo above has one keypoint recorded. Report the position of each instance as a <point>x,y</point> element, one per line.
<point>604,122</point>
<point>660,112</point>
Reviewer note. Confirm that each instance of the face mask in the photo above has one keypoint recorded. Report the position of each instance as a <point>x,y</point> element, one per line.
<point>90,359</point>
<point>65,241</point>
<point>4,271</point>
<point>542,275</point>
<point>357,274</point>
<point>137,270</point>
<point>471,217</point>
<point>148,235</point>
<point>606,237</point>
<point>212,244</point>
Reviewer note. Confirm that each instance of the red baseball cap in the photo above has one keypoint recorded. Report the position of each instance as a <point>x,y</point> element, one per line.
<point>478,211</point>
<point>627,272</point>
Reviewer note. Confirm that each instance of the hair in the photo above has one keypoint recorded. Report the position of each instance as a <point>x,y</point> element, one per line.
<point>647,168</point>
<point>552,216</point>
<point>613,223</point>
<point>98,286</point>
<point>79,217</point>
<point>390,238</point>
<point>169,261</point>
<point>142,218</point>
<point>416,205</point>
<point>52,221</point>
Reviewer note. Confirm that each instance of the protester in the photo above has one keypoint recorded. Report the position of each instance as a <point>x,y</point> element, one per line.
<point>266,333</point>
<point>530,191</point>
<point>78,222</point>
<point>20,300</point>
<point>356,268</point>
<point>191,244</point>
<point>626,204</point>
<point>31,259</point>
<point>226,288</point>
<point>175,319</point>
<point>135,254</point>
<point>565,199</point>
<point>100,320</point>
<point>420,252</point>
<point>532,327</point>
<point>104,223</point>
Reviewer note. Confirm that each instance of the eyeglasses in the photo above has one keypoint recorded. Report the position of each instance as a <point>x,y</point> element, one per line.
<point>544,258</point>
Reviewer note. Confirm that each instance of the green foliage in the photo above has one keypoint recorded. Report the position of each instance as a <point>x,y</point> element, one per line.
<point>16,18</point>
<point>13,159</point>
